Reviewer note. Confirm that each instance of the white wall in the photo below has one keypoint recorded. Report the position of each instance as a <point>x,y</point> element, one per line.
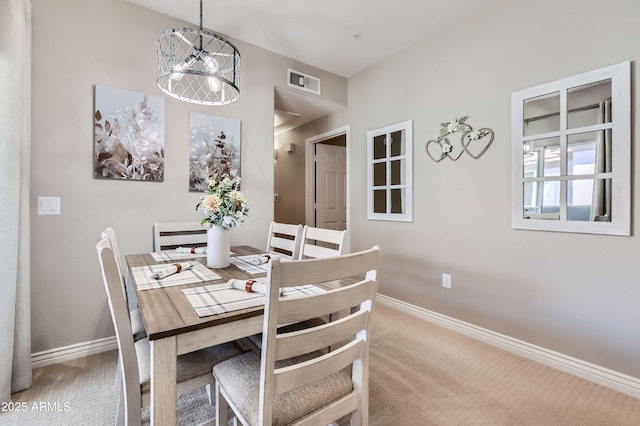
<point>575,294</point>
<point>76,45</point>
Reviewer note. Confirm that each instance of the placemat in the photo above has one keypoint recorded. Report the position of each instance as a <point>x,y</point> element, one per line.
<point>199,273</point>
<point>172,255</point>
<point>248,267</point>
<point>215,299</point>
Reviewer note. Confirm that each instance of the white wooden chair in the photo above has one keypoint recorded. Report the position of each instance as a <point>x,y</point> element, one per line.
<point>193,369</point>
<point>292,381</point>
<point>137,323</point>
<point>284,239</point>
<point>170,235</point>
<point>319,243</point>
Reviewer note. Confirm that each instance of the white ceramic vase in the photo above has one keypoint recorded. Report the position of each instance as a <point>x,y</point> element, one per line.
<point>218,247</point>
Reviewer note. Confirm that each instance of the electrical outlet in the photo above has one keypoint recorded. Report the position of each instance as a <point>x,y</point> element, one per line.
<point>446,280</point>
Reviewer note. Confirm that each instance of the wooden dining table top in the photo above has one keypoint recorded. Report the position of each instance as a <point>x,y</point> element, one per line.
<point>167,312</point>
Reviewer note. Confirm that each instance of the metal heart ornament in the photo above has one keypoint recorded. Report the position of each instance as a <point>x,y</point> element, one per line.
<point>438,158</point>
<point>466,141</point>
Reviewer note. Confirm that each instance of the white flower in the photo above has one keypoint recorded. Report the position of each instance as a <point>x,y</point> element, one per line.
<point>477,134</point>
<point>237,196</point>
<point>455,125</point>
<point>212,203</point>
<point>446,148</point>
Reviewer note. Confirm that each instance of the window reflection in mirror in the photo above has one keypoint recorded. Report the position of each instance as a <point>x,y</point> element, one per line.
<point>583,103</point>
<point>571,145</point>
<point>542,114</point>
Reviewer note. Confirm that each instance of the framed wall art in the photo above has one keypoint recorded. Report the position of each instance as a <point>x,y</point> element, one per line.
<point>214,149</point>
<point>128,135</point>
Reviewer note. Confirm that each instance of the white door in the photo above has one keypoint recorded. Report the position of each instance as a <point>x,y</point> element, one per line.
<point>331,186</point>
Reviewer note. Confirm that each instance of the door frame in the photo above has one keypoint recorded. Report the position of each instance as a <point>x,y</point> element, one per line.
<point>309,172</point>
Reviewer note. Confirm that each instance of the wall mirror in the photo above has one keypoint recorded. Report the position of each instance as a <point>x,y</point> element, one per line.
<point>390,173</point>
<point>572,154</point>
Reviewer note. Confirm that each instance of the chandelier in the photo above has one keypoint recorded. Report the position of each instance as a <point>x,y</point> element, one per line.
<point>198,66</point>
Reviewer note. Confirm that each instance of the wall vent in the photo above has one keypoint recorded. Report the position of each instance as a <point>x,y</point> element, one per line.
<point>303,81</point>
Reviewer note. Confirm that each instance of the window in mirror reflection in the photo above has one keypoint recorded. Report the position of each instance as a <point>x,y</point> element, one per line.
<point>571,146</point>
<point>390,169</point>
<point>542,114</point>
<point>583,103</point>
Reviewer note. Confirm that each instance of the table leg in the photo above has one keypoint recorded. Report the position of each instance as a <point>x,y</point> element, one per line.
<point>163,381</point>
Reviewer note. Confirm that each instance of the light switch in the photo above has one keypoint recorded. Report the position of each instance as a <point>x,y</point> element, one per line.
<point>48,206</point>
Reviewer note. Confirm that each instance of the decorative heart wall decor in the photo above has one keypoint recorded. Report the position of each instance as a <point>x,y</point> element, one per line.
<point>467,139</point>
<point>446,150</point>
<point>458,125</point>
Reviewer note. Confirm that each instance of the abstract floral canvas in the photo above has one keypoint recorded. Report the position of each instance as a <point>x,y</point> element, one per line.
<point>214,149</point>
<point>129,135</point>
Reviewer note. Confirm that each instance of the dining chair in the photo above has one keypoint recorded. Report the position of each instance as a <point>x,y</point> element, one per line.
<point>137,323</point>
<point>292,381</point>
<point>193,369</point>
<point>170,235</point>
<point>284,239</point>
<point>318,243</point>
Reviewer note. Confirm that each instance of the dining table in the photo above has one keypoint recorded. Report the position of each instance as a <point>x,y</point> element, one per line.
<point>174,327</point>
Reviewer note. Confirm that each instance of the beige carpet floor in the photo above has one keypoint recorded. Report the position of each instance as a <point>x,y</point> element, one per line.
<point>420,374</point>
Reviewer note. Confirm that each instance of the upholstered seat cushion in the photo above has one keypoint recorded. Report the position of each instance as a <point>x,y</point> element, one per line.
<point>137,325</point>
<point>240,378</point>
<point>189,365</point>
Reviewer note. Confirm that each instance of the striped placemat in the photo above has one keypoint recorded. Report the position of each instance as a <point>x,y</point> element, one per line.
<point>241,262</point>
<point>215,299</point>
<point>172,256</point>
<point>144,281</point>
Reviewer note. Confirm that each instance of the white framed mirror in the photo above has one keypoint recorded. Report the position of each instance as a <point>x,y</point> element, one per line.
<point>390,173</point>
<point>572,154</point>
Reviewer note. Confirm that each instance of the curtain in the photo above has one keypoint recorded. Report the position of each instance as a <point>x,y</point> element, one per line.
<point>601,204</point>
<point>15,150</point>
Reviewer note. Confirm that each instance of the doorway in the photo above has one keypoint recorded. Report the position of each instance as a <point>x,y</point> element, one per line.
<point>330,167</point>
<point>327,180</point>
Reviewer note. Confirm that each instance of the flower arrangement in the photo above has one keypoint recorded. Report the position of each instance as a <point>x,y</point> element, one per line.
<point>223,203</point>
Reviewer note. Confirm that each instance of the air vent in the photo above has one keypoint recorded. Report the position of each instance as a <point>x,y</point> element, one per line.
<point>303,81</point>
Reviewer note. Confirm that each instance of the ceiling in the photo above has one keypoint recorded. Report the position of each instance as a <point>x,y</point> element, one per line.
<point>340,36</point>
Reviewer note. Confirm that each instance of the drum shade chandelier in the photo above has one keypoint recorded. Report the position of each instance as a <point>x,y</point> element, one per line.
<point>198,66</point>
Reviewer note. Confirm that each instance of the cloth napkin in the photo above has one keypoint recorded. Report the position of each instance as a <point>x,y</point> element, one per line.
<point>259,285</point>
<point>260,259</point>
<point>174,268</point>
<point>192,250</point>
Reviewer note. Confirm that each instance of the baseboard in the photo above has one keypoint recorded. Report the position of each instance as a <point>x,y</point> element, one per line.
<point>611,379</point>
<point>67,353</point>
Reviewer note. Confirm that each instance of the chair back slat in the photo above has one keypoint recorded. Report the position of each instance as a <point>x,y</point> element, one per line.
<point>169,235</point>
<point>317,305</point>
<point>312,339</point>
<point>287,378</point>
<point>320,243</point>
<point>284,239</point>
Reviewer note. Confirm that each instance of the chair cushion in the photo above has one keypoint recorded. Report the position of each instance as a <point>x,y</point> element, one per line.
<point>240,378</point>
<point>137,325</point>
<point>189,365</point>
<point>256,339</point>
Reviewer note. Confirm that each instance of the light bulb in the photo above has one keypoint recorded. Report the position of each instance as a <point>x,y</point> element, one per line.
<point>212,67</point>
<point>178,70</point>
